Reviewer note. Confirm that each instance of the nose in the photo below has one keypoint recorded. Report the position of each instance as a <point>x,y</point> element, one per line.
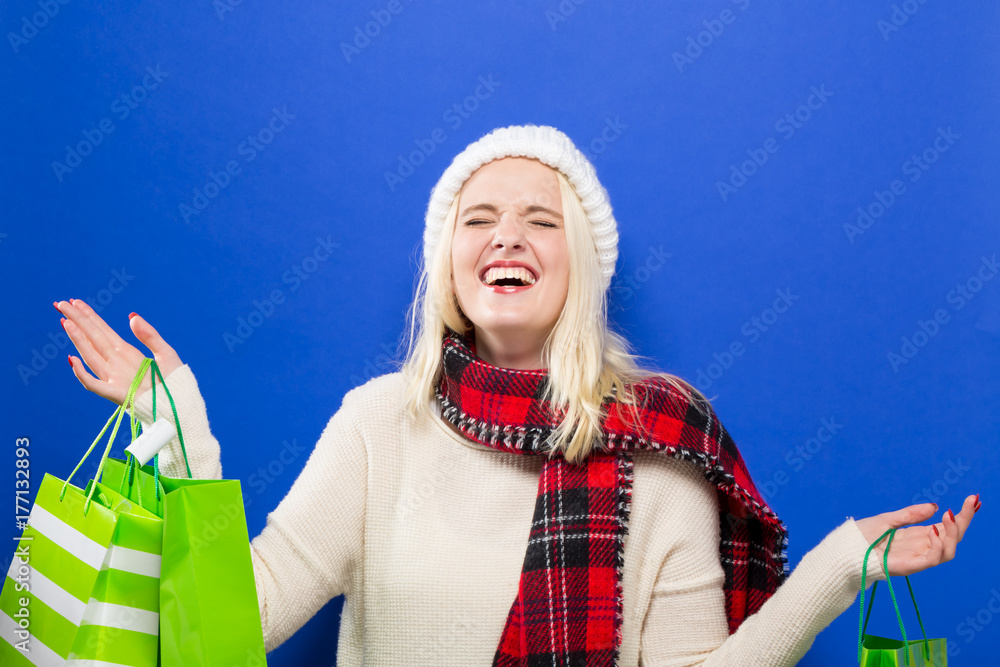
<point>509,234</point>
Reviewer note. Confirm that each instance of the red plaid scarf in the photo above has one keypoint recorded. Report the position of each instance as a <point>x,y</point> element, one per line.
<point>568,609</point>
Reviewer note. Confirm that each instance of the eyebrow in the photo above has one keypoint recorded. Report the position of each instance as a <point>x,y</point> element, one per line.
<point>533,208</point>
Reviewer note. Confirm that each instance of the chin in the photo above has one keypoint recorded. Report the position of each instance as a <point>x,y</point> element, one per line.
<point>513,326</point>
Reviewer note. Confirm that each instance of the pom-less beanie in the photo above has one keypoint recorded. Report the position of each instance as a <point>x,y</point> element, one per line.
<point>547,145</point>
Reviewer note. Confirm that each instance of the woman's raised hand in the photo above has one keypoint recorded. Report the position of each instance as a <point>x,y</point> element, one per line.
<point>111,359</point>
<point>918,547</point>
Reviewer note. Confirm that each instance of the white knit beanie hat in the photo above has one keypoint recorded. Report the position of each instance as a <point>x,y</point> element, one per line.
<point>545,144</point>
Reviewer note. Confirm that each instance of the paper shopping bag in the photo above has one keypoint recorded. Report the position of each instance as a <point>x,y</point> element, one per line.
<point>121,622</point>
<point>883,652</point>
<point>874,651</point>
<point>62,598</point>
<point>209,613</point>
<point>137,483</point>
<point>208,594</point>
<point>53,575</point>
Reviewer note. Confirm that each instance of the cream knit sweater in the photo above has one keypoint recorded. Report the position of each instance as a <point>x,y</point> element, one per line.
<point>425,532</point>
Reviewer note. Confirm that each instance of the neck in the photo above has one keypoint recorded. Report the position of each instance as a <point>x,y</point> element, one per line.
<point>521,351</point>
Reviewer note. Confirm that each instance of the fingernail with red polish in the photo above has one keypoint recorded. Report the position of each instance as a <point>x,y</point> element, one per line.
<point>131,315</point>
<point>55,304</point>
<point>936,531</point>
<point>69,358</point>
<point>951,515</point>
<point>979,504</point>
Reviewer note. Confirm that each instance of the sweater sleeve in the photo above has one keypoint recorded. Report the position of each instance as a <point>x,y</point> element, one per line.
<point>310,550</point>
<point>202,448</point>
<point>686,621</point>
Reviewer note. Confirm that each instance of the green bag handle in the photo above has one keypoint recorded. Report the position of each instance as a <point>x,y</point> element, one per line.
<point>117,418</point>
<point>862,625</point>
<point>128,405</point>
<point>132,469</point>
<point>177,424</point>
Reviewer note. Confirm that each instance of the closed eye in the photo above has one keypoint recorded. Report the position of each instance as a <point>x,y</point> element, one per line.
<point>541,223</point>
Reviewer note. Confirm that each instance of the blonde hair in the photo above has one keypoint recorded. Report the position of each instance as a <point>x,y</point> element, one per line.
<point>587,362</point>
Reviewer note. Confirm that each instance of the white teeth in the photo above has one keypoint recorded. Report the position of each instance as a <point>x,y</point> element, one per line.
<point>497,273</point>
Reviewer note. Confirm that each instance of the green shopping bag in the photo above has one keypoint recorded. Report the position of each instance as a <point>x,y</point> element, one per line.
<point>137,483</point>
<point>876,651</point>
<point>79,585</point>
<point>208,594</point>
<point>126,594</point>
<point>209,614</point>
<point>53,575</point>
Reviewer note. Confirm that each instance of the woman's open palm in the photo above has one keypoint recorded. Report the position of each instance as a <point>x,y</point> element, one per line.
<point>114,361</point>
<point>918,547</point>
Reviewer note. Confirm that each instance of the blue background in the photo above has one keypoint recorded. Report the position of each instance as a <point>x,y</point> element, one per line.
<point>673,129</point>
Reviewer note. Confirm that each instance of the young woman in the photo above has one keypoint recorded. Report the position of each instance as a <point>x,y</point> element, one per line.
<point>522,492</point>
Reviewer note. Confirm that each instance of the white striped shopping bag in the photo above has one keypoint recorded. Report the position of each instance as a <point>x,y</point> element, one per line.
<point>83,588</point>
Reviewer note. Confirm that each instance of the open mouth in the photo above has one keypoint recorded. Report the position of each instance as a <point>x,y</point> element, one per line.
<point>508,276</point>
